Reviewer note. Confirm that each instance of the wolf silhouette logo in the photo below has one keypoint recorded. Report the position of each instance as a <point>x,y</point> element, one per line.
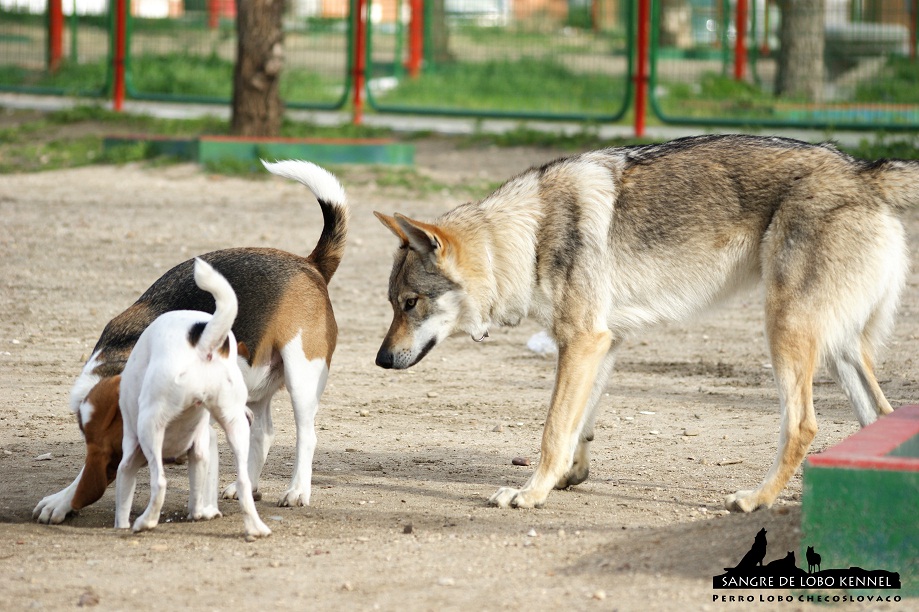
<point>784,572</point>
<point>813,560</point>
<point>755,555</point>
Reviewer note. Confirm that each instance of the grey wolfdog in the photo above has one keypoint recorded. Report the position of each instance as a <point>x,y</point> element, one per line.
<point>600,245</point>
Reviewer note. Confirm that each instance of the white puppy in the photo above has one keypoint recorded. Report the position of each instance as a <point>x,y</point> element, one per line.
<point>181,372</point>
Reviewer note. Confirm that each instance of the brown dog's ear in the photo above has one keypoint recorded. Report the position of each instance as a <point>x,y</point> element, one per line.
<point>393,226</point>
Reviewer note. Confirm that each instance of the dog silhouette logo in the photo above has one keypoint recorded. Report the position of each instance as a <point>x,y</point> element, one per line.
<point>753,572</point>
<point>755,555</point>
<point>813,560</point>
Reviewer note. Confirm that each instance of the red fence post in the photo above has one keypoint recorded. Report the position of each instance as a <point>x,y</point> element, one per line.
<point>641,69</point>
<point>55,34</point>
<point>360,64</point>
<point>213,14</point>
<point>740,46</point>
<point>121,37</point>
<point>416,38</point>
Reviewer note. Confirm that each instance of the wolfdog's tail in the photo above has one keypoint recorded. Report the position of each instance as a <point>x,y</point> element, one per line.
<point>218,328</point>
<point>898,181</point>
<point>329,250</point>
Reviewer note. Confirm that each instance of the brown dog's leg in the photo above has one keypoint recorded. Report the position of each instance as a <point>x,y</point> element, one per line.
<point>98,473</point>
<point>579,362</point>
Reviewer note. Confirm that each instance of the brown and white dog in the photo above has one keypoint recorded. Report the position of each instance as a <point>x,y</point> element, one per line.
<point>181,373</point>
<point>286,332</point>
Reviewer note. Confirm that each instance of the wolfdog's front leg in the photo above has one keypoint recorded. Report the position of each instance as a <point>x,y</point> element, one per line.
<point>578,365</point>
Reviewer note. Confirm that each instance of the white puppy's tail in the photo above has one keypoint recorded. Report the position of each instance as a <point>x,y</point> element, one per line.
<point>213,336</point>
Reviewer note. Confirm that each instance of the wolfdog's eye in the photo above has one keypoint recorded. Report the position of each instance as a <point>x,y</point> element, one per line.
<point>410,303</point>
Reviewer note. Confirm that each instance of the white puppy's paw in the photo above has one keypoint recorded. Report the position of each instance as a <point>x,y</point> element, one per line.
<point>230,493</point>
<point>205,514</point>
<point>145,522</point>
<point>745,501</point>
<point>255,528</point>
<point>295,497</point>
<point>53,509</point>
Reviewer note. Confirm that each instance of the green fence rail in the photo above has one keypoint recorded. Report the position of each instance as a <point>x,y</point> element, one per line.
<point>528,59</point>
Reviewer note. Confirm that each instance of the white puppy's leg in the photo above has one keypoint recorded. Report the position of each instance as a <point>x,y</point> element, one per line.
<point>213,468</point>
<point>305,380</point>
<point>126,480</point>
<point>261,438</point>
<point>54,508</point>
<point>151,434</point>
<point>237,430</point>
<point>199,474</point>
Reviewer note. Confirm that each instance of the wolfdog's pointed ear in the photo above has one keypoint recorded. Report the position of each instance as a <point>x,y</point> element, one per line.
<point>393,226</point>
<point>424,238</point>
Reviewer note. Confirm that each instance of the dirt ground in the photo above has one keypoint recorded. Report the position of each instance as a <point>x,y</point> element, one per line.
<point>405,460</point>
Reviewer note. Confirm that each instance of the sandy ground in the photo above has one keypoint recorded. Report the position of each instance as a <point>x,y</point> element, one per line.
<point>405,460</point>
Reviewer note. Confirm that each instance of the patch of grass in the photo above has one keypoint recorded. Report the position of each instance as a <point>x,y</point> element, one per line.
<point>587,138</point>
<point>714,95</point>
<point>74,79</point>
<point>898,83</point>
<point>528,84</point>
<point>885,147</point>
<point>411,181</point>
<point>235,167</point>
<point>181,74</point>
<point>51,154</point>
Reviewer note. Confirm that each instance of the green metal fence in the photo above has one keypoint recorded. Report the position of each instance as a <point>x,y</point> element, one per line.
<point>493,58</point>
<point>26,64</point>
<point>190,56</point>
<point>553,59</point>
<point>869,78</point>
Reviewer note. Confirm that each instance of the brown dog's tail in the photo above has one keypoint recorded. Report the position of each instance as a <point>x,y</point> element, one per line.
<point>330,249</point>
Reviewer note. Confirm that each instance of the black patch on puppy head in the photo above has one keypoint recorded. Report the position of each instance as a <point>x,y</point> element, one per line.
<point>194,336</point>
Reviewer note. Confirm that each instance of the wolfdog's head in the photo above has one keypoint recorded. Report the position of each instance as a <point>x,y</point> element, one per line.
<point>426,292</point>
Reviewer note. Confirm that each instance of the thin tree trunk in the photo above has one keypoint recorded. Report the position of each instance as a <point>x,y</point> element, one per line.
<point>801,64</point>
<point>257,106</point>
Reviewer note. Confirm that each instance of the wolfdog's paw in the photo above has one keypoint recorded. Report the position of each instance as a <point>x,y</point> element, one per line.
<point>295,497</point>
<point>506,497</point>
<point>575,476</point>
<point>744,501</point>
<point>230,493</point>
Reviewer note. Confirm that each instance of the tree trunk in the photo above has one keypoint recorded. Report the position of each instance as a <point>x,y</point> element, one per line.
<point>440,34</point>
<point>257,107</point>
<point>801,65</point>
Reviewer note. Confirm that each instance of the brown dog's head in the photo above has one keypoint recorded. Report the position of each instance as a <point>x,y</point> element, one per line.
<point>428,301</point>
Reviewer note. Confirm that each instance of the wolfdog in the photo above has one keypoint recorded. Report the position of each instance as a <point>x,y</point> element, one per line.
<point>600,245</point>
